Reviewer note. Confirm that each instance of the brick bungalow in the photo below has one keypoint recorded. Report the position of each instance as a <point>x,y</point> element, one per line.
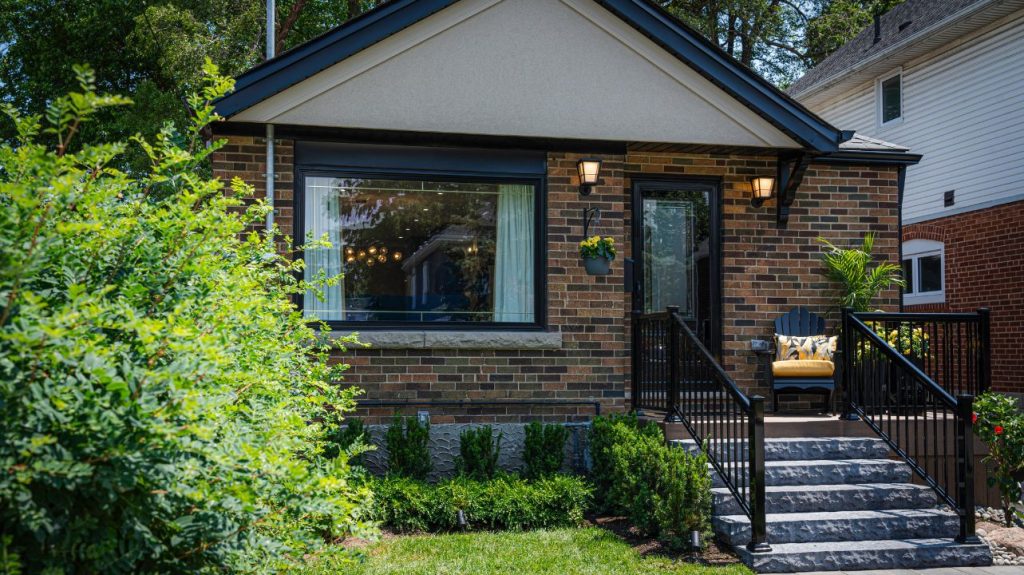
<point>437,144</point>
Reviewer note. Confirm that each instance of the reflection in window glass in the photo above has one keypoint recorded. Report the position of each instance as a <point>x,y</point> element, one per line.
<point>908,275</point>
<point>931,273</point>
<point>891,105</point>
<point>421,251</point>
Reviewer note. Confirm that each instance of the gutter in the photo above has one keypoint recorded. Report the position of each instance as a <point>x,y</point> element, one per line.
<point>271,38</point>
<point>837,78</point>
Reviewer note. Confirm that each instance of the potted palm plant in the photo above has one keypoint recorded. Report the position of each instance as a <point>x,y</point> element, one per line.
<point>597,254</point>
<point>859,280</point>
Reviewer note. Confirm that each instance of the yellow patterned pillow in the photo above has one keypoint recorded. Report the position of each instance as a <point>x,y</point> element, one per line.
<point>809,347</point>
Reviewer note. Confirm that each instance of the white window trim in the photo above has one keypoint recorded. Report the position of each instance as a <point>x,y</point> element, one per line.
<point>914,250</point>
<point>879,102</point>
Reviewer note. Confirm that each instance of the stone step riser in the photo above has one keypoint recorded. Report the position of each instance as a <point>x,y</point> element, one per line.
<point>800,528</point>
<point>825,472</point>
<point>870,555</point>
<point>833,498</point>
<point>802,449</point>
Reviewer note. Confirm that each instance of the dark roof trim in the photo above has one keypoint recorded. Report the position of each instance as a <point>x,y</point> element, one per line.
<point>740,82</point>
<point>858,157</point>
<point>301,62</point>
<point>736,79</point>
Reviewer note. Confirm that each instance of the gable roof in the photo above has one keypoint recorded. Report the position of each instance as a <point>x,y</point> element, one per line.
<point>742,84</point>
<point>909,30</point>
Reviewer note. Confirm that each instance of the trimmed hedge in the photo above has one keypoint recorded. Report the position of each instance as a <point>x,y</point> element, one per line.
<point>505,502</point>
<point>665,492</point>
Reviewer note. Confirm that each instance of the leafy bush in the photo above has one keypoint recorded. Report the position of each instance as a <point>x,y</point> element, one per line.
<point>352,438</point>
<point>505,502</point>
<point>664,491</point>
<point>478,453</point>
<point>605,433</point>
<point>408,443</point>
<point>999,422</point>
<point>155,379</point>
<point>543,449</point>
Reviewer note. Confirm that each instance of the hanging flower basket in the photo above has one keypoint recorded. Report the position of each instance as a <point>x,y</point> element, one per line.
<point>597,254</point>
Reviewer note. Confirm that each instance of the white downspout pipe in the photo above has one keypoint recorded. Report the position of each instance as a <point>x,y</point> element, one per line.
<point>271,37</point>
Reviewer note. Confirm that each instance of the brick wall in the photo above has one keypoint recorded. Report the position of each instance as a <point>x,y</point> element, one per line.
<point>245,157</point>
<point>766,272</point>
<point>984,252</point>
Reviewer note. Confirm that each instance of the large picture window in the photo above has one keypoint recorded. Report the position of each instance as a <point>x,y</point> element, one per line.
<point>421,251</point>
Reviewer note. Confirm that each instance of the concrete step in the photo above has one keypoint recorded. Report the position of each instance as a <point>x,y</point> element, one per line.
<point>797,448</point>
<point>808,498</point>
<point>872,554</point>
<point>830,472</point>
<point>842,526</point>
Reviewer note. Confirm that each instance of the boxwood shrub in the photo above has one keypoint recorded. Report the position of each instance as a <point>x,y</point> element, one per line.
<point>505,502</point>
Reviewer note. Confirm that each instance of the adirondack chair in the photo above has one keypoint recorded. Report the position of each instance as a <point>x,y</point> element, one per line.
<point>800,322</point>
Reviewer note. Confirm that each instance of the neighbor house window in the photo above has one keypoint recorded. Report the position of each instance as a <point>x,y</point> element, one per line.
<point>421,250</point>
<point>890,98</point>
<point>924,272</point>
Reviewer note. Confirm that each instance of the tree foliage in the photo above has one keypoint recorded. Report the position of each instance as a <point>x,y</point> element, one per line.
<point>163,405</point>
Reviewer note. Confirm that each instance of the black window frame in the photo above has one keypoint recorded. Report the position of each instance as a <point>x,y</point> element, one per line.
<point>539,183</point>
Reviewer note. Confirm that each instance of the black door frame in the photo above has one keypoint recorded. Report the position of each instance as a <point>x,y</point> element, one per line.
<point>711,184</point>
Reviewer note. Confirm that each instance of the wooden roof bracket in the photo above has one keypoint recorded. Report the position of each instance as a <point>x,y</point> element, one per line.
<point>791,170</point>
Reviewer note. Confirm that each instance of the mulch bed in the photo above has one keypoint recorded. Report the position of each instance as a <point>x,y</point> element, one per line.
<point>714,553</point>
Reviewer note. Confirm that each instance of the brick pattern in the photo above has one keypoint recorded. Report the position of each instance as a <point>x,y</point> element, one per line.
<point>244,157</point>
<point>766,272</point>
<point>984,251</point>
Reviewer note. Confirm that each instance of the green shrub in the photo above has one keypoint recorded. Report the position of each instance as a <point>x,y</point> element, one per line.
<point>478,453</point>
<point>352,438</point>
<point>664,491</point>
<point>505,502</point>
<point>408,443</point>
<point>999,422</point>
<point>605,433</point>
<point>157,383</point>
<point>544,449</point>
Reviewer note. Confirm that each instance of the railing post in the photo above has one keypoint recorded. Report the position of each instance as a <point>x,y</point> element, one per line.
<point>672,388</point>
<point>985,359</point>
<point>758,520</point>
<point>965,467</point>
<point>635,359</point>
<point>847,356</point>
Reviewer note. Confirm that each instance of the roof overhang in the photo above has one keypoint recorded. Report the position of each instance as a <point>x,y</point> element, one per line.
<point>743,85</point>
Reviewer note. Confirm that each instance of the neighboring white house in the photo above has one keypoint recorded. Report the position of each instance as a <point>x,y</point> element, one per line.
<point>946,79</point>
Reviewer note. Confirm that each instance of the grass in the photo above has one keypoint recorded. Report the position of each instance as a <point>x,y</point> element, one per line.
<point>589,551</point>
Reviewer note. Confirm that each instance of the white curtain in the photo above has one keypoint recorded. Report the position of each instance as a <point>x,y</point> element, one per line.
<point>514,264</point>
<point>322,217</point>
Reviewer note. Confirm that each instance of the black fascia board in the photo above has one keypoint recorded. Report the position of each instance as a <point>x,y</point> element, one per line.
<point>869,157</point>
<point>290,68</point>
<point>723,70</point>
<point>306,60</point>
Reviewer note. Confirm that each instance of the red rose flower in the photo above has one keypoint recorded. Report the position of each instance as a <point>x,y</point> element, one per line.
<point>998,429</point>
<point>974,418</point>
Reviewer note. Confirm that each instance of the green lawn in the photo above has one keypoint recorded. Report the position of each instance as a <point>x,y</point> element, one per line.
<point>589,551</point>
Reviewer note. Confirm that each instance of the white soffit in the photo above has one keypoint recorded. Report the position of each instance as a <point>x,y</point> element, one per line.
<point>533,68</point>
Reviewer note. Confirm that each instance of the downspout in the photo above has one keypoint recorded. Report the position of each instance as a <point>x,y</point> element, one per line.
<point>271,38</point>
<point>901,179</point>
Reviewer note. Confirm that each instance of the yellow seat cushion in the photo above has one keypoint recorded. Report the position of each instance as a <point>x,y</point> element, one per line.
<point>803,368</point>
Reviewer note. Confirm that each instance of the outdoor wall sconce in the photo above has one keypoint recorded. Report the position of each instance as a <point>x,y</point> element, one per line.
<point>589,169</point>
<point>763,188</point>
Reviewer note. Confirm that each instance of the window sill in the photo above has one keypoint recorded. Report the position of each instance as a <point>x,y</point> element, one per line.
<point>430,339</point>
<point>924,298</point>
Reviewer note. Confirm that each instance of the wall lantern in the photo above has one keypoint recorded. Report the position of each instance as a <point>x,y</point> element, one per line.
<point>589,169</point>
<point>763,188</point>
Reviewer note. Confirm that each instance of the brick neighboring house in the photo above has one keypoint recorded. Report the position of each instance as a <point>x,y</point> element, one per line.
<point>946,79</point>
<point>671,117</point>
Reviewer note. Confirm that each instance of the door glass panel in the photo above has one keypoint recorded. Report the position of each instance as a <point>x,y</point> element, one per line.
<point>676,254</point>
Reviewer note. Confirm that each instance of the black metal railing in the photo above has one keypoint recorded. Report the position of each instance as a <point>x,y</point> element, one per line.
<point>926,422</point>
<point>675,373</point>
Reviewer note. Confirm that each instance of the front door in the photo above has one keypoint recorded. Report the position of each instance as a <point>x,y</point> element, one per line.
<point>676,252</point>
